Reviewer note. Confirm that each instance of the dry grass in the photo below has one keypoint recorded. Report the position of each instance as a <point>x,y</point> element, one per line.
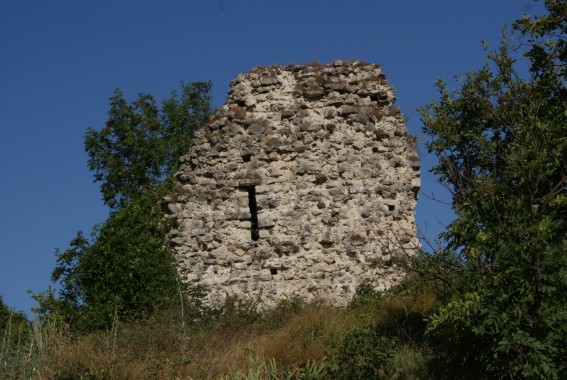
<point>155,350</point>
<point>240,342</point>
<point>307,335</point>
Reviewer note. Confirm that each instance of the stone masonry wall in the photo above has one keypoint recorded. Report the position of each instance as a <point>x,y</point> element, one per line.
<point>299,181</point>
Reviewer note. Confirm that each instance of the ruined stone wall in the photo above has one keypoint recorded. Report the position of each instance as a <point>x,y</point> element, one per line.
<point>300,180</point>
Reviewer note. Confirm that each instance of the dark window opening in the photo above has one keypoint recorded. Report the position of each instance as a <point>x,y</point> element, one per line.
<point>254,230</point>
<point>391,207</point>
<point>273,271</point>
<point>246,157</point>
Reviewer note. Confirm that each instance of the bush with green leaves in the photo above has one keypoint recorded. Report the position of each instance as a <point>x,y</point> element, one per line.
<point>364,354</point>
<point>7,314</point>
<point>501,142</point>
<point>18,352</point>
<point>125,271</point>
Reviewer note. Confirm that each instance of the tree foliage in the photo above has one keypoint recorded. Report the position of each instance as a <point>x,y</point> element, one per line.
<point>9,316</point>
<point>501,142</point>
<point>125,270</point>
<point>140,144</point>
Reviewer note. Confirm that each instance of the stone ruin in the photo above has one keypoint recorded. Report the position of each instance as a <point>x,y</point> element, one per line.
<point>303,179</point>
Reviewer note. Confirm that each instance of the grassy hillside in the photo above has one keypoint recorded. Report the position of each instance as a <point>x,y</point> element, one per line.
<point>376,336</point>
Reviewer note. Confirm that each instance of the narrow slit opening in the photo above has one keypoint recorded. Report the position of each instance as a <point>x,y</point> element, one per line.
<point>254,230</point>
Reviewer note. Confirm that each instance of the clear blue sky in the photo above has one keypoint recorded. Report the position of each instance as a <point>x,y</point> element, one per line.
<point>61,60</point>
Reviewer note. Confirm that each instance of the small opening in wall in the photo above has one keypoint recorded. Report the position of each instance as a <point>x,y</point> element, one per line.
<point>391,207</point>
<point>273,271</point>
<point>254,230</point>
<point>246,157</point>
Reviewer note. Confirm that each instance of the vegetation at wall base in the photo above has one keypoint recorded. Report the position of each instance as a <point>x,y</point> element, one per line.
<point>238,340</point>
<point>124,272</point>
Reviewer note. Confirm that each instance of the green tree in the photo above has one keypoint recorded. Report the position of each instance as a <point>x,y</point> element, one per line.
<point>501,142</point>
<point>125,270</point>
<point>140,144</point>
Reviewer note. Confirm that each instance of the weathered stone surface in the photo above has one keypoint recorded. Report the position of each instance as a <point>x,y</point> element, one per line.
<point>174,208</point>
<point>266,223</point>
<point>309,127</point>
<point>347,110</point>
<point>306,175</point>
